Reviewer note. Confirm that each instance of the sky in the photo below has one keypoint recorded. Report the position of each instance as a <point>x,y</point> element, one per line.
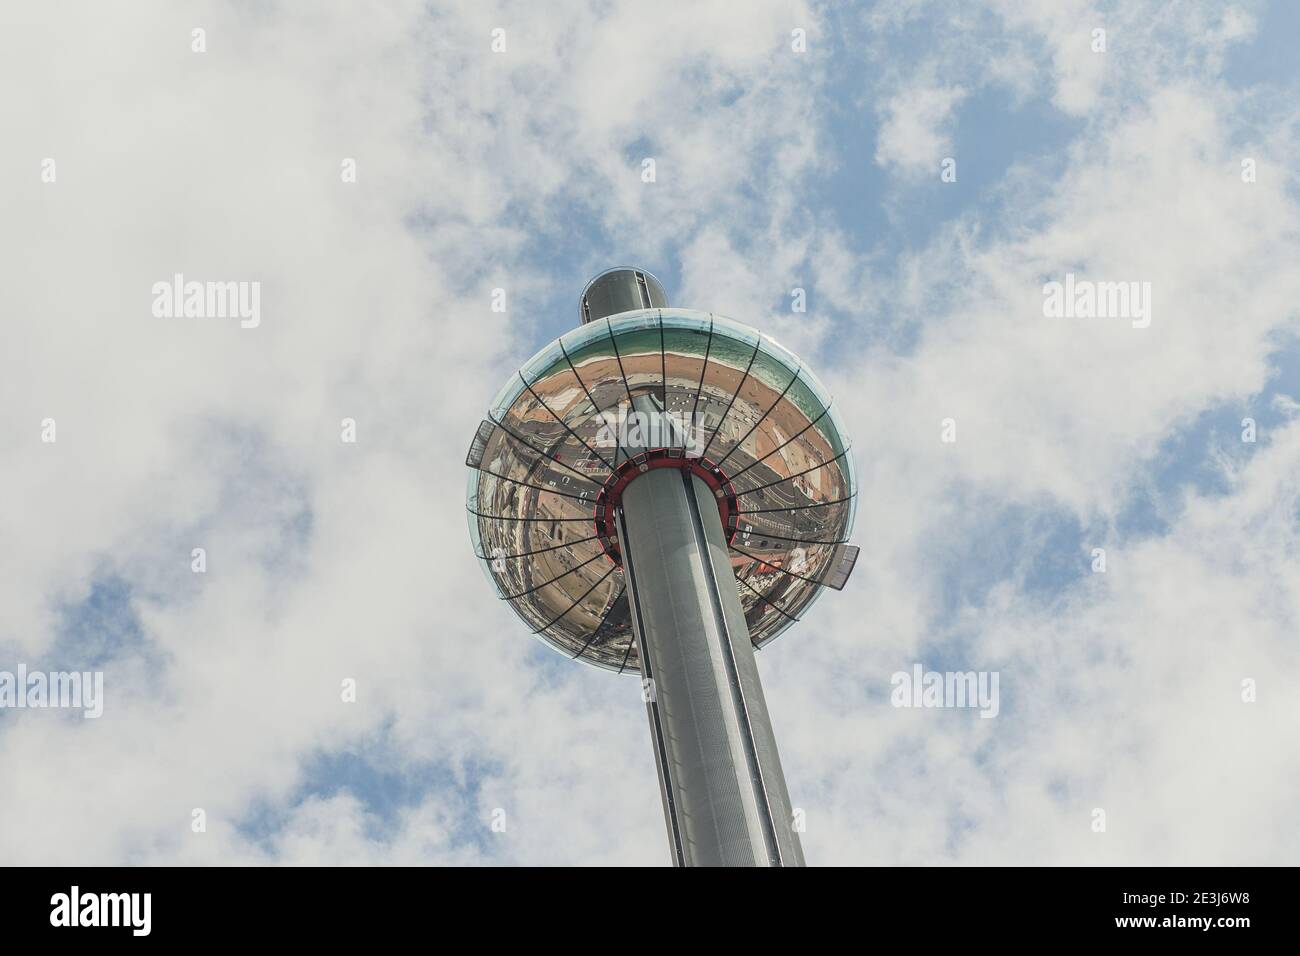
<point>921,170</point>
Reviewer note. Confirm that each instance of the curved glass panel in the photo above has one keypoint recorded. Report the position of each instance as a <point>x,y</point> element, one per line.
<point>639,341</point>
<point>730,366</point>
<point>599,367</point>
<point>819,390</point>
<point>506,397</point>
<point>537,432</point>
<point>546,362</point>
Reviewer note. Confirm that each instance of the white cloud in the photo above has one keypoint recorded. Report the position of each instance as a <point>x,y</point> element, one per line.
<point>914,133</point>
<point>1128,697</point>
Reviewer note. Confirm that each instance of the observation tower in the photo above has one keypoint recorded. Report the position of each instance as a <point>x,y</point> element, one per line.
<point>661,492</point>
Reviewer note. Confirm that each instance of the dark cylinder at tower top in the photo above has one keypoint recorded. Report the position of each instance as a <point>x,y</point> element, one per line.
<point>621,290</point>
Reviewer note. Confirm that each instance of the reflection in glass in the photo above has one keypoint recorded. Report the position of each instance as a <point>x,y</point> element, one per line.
<point>742,402</point>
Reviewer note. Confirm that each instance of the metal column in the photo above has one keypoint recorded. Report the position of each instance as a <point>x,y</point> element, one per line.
<point>724,794</point>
